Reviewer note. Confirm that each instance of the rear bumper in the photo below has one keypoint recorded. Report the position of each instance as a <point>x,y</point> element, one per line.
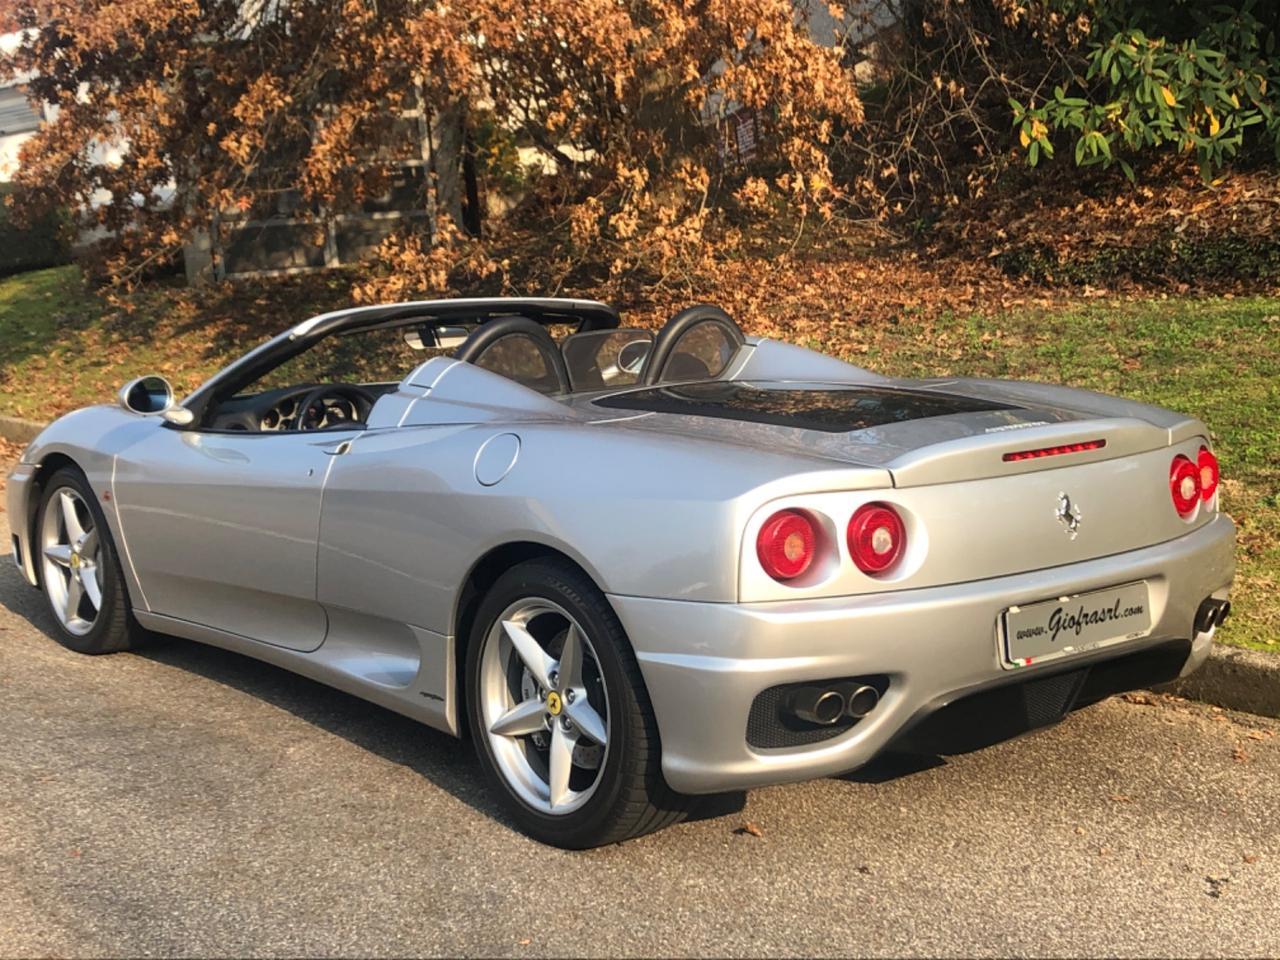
<point>705,663</point>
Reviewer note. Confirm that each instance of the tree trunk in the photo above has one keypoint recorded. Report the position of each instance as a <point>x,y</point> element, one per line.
<point>473,216</point>
<point>446,160</point>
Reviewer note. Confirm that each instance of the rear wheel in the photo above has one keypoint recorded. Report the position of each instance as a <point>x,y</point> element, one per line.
<point>559,713</point>
<point>79,570</point>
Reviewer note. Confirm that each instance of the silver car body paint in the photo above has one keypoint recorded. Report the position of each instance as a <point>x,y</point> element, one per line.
<point>343,555</point>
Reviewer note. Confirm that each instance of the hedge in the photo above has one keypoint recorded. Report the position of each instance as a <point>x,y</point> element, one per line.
<point>40,245</point>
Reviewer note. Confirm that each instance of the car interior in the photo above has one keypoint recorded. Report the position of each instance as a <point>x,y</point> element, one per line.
<point>696,344</point>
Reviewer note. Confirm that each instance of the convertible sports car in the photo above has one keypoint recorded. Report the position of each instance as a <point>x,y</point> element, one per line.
<point>636,568</point>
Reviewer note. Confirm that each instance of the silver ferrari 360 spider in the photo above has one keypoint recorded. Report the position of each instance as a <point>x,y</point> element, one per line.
<point>635,568</point>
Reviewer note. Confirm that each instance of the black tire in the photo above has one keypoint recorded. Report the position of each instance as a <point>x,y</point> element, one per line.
<point>114,628</point>
<point>632,798</point>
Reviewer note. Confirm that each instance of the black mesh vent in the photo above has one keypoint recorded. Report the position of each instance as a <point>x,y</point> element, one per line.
<point>770,724</point>
<point>979,719</point>
<point>767,726</point>
<point>996,714</point>
<point>991,716</point>
<point>1048,699</point>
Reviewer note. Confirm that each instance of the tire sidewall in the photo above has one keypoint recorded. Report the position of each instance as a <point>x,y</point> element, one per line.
<point>552,582</point>
<point>112,588</point>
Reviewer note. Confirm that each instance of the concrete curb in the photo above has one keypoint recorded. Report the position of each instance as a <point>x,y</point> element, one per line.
<point>1231,677</point>
<point>1237,679</point>
<point>17,430</point>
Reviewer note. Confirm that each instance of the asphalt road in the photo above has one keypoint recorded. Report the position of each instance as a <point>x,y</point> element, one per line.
<point>190,801</point>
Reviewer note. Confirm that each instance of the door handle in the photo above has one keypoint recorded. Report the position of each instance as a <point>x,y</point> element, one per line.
<point>340,449</point>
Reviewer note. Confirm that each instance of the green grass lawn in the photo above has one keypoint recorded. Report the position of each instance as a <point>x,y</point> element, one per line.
<point>62,347</point>
<point>1218,359</point>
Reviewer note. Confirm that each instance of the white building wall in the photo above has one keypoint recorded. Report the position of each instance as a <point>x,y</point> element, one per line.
<point>9,154</point>
<point>9,118</point>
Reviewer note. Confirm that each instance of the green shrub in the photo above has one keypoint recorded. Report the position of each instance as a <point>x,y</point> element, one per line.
<point>42,244</point>
<point>1174,258</point>
<point>1200,77</point>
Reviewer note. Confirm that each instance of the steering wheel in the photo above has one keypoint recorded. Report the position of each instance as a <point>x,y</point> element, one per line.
<point>314,413</point>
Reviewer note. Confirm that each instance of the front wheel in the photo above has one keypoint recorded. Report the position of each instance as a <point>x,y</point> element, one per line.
<point>559,712</point>
<point>79,569</point>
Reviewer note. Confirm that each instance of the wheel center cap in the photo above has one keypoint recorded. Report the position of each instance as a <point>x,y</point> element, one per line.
<point>75,560</point>
<point>554,704</point>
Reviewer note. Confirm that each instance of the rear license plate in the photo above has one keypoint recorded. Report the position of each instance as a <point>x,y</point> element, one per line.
<point>1037,632</point>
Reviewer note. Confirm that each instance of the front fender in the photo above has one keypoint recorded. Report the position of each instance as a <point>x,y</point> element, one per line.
<point>90,439</point>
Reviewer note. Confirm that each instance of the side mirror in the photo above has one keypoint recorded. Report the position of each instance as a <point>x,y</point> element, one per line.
<point>148,396</point>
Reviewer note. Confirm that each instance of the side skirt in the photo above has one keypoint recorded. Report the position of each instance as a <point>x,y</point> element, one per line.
<point>421,698</point>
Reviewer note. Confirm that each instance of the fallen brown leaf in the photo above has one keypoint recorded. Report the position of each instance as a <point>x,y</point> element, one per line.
<point>750,828</point>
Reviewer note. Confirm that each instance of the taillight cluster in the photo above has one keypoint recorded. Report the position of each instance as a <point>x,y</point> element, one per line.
<point>786,545</point>
<point>789,540</point>
<point>1208,466</point>
<point>876,538</point>
<point>1190,483</point>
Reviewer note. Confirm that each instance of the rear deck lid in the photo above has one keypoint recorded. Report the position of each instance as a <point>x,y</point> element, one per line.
<point>926,434</point>
<point>995,477</point>
<point>821,407</point>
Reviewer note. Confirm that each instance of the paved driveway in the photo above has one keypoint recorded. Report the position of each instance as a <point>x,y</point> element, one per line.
<point>191,801</point>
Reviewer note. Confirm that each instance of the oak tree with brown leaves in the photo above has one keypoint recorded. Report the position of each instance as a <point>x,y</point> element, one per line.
<point>170,115</point>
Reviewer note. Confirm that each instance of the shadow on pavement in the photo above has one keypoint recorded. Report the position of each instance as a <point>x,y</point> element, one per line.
<point>447,762</point>
<point>893,766</point>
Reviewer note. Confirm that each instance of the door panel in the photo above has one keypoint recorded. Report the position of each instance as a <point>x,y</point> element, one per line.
<point>222,527</point>
<point>393,539</point>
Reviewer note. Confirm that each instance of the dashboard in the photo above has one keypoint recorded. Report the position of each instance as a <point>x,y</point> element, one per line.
<point>281,410</point>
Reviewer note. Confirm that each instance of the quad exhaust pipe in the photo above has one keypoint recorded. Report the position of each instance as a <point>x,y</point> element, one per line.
<point>824,705</point>
<point>861,700</point>
<point>1211,614</point>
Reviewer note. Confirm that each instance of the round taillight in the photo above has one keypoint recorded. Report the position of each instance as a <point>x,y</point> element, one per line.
<point>877,537</point>
<point>1184,485</point>
<point>785,545</point>
<point>1208,466</point>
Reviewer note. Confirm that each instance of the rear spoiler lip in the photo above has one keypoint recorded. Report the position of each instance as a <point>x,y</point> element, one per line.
<point>981,456</point>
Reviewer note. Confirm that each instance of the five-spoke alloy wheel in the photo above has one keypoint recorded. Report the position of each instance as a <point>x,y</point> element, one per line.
<point>71,561</point>
<point>545,708</point>
<point>78,568</point>
<point>559,713</point>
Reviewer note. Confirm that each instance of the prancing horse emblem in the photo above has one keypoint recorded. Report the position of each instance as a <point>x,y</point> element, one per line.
<point>1068,515</point>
